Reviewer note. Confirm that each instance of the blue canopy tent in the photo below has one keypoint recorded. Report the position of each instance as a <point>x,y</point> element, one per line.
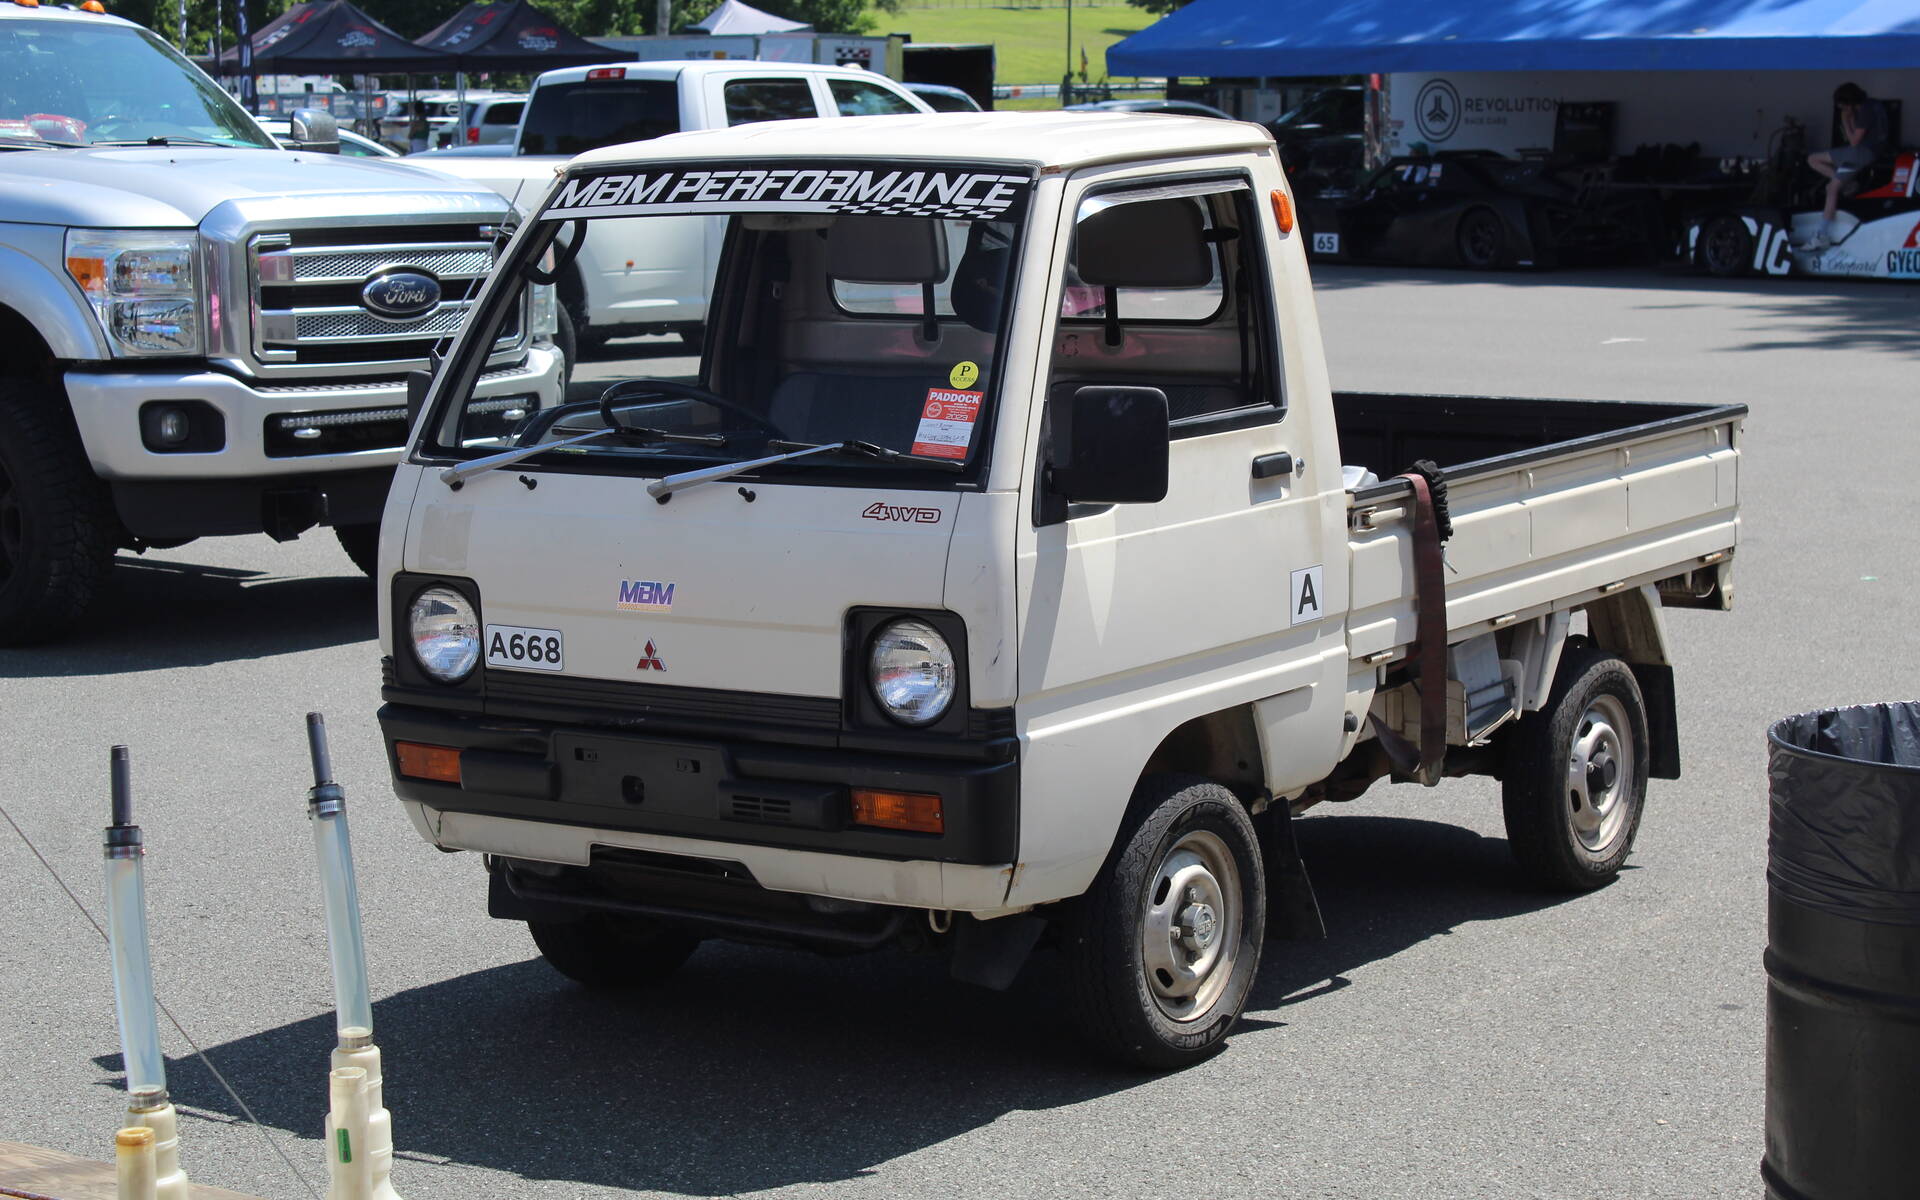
<point>1250,38</point>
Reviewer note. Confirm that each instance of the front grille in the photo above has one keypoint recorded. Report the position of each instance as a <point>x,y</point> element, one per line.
<point>298,435</point>
<point>306,285</point>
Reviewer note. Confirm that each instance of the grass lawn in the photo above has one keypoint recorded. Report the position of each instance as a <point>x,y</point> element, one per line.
<point>1031,43</point>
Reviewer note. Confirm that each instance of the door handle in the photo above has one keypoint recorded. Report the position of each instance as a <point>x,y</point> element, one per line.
<point>1269,466</point>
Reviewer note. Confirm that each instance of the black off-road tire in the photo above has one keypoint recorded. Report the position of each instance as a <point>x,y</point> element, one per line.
<point>362,544</point>
<point>58,530</point>
<point>1480,240</point>
<point>1121,999</point>
<point>606,952</point>
<point>1575,782</point>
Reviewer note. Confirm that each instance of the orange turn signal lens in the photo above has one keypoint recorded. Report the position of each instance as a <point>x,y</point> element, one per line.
<point>93,6</point>
<point>914,812</point>
<point>1282,211</point>
<point>438,763</point>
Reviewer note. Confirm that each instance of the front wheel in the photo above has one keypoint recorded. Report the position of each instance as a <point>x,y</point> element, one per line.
<point>57,526</point>
<point>1726,247</point>
<point>1162,951</point>
<point>1576,778</point>
<point>362,544</point>
<point>1480,240</point>
<point>612,953</point>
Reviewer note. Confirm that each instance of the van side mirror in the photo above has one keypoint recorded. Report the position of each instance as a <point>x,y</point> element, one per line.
<point>1109,445</point>
<point>314,131</point>
<point>417,384</point>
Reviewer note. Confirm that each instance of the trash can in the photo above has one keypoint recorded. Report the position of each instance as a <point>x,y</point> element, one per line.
<point>1843,955</point>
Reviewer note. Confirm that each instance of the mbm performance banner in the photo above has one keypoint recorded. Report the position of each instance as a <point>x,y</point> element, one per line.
<point>894,189</point>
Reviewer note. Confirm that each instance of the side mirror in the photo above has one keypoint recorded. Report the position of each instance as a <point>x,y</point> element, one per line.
<point>417,384</point>
<point>1109,446</point>
<point>315,131</point>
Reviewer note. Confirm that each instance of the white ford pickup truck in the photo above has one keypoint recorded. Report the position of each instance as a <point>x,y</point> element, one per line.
<point>1010,574</point>
<point>657,282</point>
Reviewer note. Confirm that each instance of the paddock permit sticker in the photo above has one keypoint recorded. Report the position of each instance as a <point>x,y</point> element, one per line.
<point>946,423</point>
<point>954,191</point>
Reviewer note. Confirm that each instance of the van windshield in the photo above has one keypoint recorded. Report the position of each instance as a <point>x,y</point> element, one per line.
<point>742,334</point>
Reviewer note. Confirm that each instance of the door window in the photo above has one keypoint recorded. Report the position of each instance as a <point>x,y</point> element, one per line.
<point>1170,291</point>
<point>750,100</point>
<point>858,98</point>
<point>502,114</point>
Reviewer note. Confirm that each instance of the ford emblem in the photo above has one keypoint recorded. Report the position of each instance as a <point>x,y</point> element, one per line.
<point>401,294</point>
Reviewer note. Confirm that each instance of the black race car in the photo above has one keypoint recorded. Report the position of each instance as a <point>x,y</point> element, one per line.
<point>1479,210</point>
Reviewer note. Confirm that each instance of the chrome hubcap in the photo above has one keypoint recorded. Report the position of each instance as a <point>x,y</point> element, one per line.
<point>1600,774</point>
<point>1190,939</point>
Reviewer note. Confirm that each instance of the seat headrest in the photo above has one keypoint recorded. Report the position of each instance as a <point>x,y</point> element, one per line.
<point>980,281</point>
<point>865,249</point>
<point>1147,244</point>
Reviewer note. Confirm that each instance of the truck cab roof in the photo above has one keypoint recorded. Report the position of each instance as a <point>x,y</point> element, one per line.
<point>697,69</point>
<point>1064,140</point>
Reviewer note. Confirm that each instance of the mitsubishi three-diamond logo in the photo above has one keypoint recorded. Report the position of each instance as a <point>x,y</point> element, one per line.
<point>650,659</point>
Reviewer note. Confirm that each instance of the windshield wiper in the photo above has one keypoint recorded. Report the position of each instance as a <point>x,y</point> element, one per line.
<point>870,450</point>
<point>453,477</point>
<point>169,141</point>
<point>17,142</point>
<point>663,489</point>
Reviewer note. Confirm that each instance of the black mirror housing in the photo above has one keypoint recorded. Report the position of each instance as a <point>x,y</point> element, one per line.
<point>314,130</point>
<point>1110,446</point>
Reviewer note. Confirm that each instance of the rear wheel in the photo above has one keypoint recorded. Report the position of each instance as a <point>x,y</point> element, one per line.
<point>1576,781</point>
<point>362,544</point>
<point>609,952</point>
<point>1162,951</point>
<point>1480,239</point>
<point>1726,247</point>
<point>57,526</point>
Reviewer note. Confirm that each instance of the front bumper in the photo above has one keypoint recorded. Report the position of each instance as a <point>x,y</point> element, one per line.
<point>705,789</point>
<point>106,406</point>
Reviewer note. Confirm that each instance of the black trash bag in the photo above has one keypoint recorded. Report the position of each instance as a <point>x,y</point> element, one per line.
<point>1844,811</point>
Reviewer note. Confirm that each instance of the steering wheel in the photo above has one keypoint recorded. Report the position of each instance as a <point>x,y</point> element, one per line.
<point>628,389</point>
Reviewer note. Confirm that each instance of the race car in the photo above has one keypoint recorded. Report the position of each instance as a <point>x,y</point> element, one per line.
<point>1478,210</point>
<point>1876,234</point>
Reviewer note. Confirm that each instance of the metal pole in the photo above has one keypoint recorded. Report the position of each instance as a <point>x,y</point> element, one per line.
<point>183,26</point>
<point>1066,79</point>
<point>663,18</point>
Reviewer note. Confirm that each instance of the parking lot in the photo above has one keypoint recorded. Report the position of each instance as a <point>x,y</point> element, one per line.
<point>1455,1035</point>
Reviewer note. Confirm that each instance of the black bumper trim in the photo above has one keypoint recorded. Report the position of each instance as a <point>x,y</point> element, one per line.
<point>795,796</point>
<point>166,509</point>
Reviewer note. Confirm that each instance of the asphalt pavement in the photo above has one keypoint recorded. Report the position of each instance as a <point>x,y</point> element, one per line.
<point>1455,1036</point>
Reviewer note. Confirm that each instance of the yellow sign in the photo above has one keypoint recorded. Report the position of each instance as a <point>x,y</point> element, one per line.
<point>964,375</point>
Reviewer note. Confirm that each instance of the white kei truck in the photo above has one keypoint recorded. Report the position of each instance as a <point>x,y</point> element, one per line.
<point>1010,574</point>
<point>657,282</point>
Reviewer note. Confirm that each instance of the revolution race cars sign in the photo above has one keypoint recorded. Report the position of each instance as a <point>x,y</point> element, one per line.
<point>900,189</point>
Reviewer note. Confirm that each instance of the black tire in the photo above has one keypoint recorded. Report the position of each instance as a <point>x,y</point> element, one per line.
<point>1187,833</point>
<point>362,544</point>
<point>1480,239</point>
<point>691,336</point>
<point>1726,247</point>
<point>612,953</point>
<point>569,347</point>
<point>1575,782</point>
<point>58,530</point>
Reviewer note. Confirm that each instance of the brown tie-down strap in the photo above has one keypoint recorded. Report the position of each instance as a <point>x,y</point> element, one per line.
<point>1430,649</point>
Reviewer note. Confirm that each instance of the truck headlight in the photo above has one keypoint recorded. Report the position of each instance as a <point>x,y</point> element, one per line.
<point>144,288</point>
<point>543,312</point>
<point>910,667</point>
<point>446,633</point>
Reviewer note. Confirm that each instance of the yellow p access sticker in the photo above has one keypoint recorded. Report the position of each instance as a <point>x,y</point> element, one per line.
<point>963,375</point>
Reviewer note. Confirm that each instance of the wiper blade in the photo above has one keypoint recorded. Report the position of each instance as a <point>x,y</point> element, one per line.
<point>18,142</point>
<point>870,450</point>
<point>663,489</point>
<point>166,141</point>
<point>453,477</point>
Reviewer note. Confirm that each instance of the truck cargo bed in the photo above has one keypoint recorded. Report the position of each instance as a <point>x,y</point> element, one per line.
<point>1554,503</point>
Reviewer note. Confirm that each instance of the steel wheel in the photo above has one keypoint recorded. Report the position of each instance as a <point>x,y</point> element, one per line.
<point>1189,940</point>
<point>1600,773</point>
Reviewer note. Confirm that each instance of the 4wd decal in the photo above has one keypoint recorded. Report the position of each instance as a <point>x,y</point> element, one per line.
<point>895,512</point>
<point>900,190</point>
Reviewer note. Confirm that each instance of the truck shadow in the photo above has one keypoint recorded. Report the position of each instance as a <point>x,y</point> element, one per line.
<point>758,1069</point>
<point>157,614</point>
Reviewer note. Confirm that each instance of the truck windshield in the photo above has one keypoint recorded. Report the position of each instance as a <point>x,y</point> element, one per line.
<point>69,82</point>
<point>821,325</point>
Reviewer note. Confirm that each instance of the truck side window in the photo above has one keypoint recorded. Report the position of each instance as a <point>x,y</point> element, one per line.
<point>858,98</point>
<point>502,114</point>
<point>750,100</point>
<point>1194,322</point>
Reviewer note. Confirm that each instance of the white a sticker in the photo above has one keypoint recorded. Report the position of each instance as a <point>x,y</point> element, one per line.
<point>1303,596</point>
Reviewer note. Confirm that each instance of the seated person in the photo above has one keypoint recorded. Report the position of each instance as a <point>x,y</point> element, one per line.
<point>1863,122</point>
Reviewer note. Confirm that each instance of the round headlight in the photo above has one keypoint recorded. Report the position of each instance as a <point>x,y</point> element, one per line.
<point>911,667</point>
<point>446,633</point>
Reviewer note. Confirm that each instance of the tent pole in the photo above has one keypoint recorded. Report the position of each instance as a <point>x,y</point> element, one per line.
<point>663,18</point>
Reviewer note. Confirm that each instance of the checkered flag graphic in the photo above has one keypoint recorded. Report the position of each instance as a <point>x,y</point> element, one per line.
<point>876,208</point>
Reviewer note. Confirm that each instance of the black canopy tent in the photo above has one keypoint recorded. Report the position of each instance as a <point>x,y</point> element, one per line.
<point>332,37</point>
<point>511,35</point>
